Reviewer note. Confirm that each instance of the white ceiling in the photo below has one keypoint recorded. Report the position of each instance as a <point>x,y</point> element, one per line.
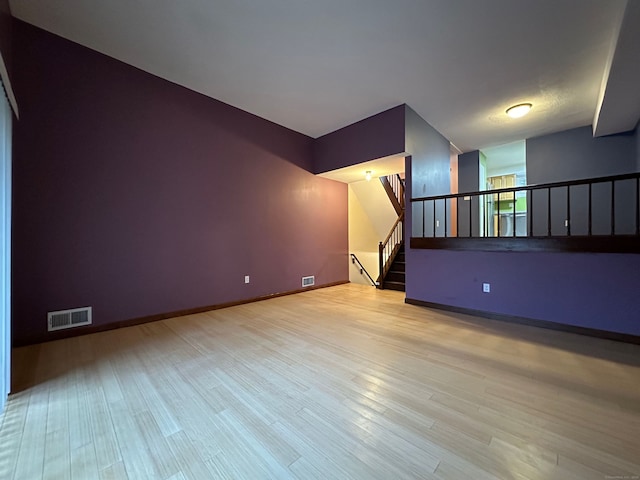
<point>316,66</point>
<point>380,167</point>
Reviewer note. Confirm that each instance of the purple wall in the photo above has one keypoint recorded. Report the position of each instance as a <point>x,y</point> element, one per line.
<point>588,290</point>
<point>139,197</point>
<point>375,137</point>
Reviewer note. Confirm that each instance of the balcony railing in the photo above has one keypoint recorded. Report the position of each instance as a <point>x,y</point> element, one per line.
<point>593,210</point>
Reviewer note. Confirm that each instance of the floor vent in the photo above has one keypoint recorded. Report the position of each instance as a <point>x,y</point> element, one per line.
<point>62,319</point>
<point>308,281</point>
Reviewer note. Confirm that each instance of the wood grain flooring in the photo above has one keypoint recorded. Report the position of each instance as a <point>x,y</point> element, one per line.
<point>346,382</point>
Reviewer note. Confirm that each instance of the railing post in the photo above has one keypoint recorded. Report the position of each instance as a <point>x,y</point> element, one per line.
<point>457,216</point>
<point>568,210</point>
<point>434,219</point>
<point>445,218</point>
<point>638,206</point>
<point>498,222</point>
<point>590,213</point>
<point>548,211</point>
<point>470,216</point>
<point>381,266</point>
<point>613,207</point>
<point>514,213</point>
<point>530,212</point>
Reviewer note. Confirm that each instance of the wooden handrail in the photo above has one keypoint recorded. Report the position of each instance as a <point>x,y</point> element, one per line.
<point>396,198</point>
<point>398,220</point>
<point>386,255</point>
<point>354,259</point>
<point>538,186</point>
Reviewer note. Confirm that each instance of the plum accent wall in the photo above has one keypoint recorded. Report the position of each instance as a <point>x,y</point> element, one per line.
<point>586,290</point>
<point>140,197</point>
<point>374,137</point>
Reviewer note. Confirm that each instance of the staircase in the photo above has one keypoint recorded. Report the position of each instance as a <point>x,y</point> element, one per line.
<point>394,280</point>
<point>391,250</point>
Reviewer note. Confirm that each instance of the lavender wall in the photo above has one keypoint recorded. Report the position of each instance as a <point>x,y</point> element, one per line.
<point>588,290</point>
<point>375,137</point>
<point>139,197</point>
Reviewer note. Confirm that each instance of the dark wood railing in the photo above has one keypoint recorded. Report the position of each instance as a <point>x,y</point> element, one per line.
<point>600,209</point>
<point>394,186</point>
<point>389,248</point>
<point>363,271</point>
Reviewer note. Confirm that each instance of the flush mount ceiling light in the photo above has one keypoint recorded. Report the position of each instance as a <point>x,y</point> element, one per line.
<point>519,110</point>
<point>367,175</point>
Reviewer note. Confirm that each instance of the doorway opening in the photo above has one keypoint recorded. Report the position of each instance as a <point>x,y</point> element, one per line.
<point>503,214</point>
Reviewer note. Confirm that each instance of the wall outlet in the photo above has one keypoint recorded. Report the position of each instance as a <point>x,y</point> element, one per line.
<point>437,223</point>
<point>246,279</point>
<point>566,223</point>
<point>486,287</point>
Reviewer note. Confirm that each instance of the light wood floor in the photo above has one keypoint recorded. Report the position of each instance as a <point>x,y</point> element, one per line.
<point>343,382</point>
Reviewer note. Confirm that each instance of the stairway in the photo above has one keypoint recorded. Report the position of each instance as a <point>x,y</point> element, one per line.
<point>394,280</point>
<point>392,249</point>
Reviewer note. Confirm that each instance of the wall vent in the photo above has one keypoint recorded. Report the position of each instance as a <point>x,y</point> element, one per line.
<point>62,319</point>
<point>308,281</point>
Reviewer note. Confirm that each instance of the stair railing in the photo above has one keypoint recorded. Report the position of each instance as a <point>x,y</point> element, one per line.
<point>363,270</point>
<point>394,186</point>
<point>389,248</point>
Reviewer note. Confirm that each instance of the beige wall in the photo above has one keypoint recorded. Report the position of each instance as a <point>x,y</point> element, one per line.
<point>371,216</point>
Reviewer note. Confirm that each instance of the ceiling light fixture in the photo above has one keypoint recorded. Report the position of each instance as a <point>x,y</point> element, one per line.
<point>367,175</point>
<point>519,110</point>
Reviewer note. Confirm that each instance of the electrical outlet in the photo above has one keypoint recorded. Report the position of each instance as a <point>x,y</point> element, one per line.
<point>246,279</point>
<point>486,287</point>
<point>566,223</point>
<point>437,223</point>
